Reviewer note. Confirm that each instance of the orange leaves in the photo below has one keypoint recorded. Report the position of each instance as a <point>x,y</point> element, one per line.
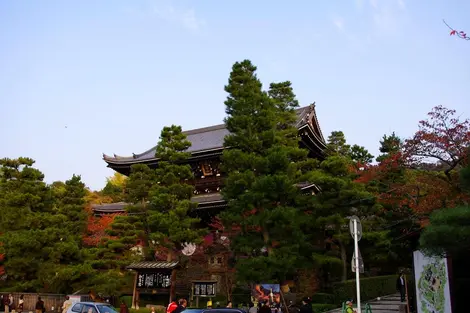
<point>453,32</point>
<point>96,229</point>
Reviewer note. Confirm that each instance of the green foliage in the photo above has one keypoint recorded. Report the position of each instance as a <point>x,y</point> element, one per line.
<point>321,297</point>
<point>371,288</point>
<point>262,168</point>
<point>448,232</point>
<point>465,178</point>
<point>389,145</point>
<point>162,201</point>
<point>42,228</point>
<point>323,307</point>
<point>170,198</point>
<point>337,145</point>
<point>340,197</point>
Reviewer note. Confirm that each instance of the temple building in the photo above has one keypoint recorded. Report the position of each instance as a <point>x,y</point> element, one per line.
<point>211,273</point>
<point>207,145</point>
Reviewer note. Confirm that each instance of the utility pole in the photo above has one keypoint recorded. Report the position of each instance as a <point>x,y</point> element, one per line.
<point>357,263</point>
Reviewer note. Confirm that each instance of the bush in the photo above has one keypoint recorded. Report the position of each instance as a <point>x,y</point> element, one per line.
<point>371,288</point>
<point>323,307</point>
<point>320,297</point>
<point>127,300</point>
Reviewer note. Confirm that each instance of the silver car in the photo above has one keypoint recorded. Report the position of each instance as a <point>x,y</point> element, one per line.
<point>91,307</point>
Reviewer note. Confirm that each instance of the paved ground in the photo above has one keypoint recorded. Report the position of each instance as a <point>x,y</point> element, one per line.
<point>386,304</point>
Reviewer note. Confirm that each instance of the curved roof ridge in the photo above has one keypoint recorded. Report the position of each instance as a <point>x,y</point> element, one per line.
<point>207,138</point>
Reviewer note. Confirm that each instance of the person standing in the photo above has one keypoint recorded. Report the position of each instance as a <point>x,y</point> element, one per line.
<point>40,308</point>
<point>306,306</point>
<point>67,304</point>
<point>172,306</point>
<point>252,308</point>
<point>20,304</point>
<point>265,308</point>
<point>401,286</point>
<point>6,303</point>
<point>182,303</point>
<point>123,308</point>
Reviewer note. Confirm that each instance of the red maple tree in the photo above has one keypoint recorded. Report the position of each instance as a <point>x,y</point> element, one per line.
<point>96,228</point>
<point>443,137</point>
<point>421,176</point>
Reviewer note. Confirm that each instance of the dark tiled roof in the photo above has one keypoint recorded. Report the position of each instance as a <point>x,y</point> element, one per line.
<point>118,207</point>
<point>212,138</point>
<point>152,265</point>
<point>207,198</point>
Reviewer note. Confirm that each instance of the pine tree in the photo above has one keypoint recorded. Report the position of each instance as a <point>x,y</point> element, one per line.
<point>261,161</point>
<point>389,145</point>
<point>23,197</point>
<point>341,197</point>
<point>42,235</point>
<point>170,198</point>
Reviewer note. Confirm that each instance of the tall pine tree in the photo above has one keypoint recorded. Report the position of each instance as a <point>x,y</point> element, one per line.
<point>261,161</point>
<point>41,235</point>
<point>158,219</point>
<point>170,198</point>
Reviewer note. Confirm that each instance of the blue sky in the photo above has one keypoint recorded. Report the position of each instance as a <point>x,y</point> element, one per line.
<point>79,78</point>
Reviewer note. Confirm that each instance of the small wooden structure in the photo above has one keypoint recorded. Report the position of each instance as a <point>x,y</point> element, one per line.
<point>155,277</point>
<point>204,289</point>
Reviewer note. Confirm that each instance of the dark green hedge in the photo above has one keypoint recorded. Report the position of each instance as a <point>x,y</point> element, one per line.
<point>323,307</point>
<point>321,297</point>
<point>371,288</point>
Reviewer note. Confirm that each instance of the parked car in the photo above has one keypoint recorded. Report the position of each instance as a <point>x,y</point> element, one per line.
<point>91,307</point>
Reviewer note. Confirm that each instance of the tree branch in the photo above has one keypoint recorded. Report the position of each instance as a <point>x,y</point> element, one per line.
<point>453,32</point>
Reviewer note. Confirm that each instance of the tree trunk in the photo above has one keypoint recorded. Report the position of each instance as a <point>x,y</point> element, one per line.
<point>169,256</point>
<point>266,241</point>
<point>344,260</point>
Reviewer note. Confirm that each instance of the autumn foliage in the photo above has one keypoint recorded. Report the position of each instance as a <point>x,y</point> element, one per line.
<point>96,229</point>
<point>459,33</point>
<point>422,176</point>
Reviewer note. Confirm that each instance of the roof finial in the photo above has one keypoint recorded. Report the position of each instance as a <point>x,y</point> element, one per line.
<point>134,155</point>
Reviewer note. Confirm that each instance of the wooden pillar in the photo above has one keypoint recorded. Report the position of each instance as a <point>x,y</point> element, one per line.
<point>134,292</point>
<point>173,285</point>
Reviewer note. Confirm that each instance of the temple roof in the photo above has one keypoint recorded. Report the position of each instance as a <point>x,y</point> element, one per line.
<point>212,199</point>
<point>207,139</point>
<point>206,200</point>
<point>150,265</point>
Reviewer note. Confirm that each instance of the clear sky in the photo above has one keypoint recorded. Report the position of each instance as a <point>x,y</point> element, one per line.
<point>79,78</point>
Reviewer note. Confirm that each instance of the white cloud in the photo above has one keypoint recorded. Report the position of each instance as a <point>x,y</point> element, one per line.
<point>373,3</point>
<point>401,4</point>
<point>386,16</point>
<point>339,23</point>
<point>185,17</point>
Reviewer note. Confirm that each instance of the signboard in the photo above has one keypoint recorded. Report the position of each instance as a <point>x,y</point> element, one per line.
<point>266,292</point>
<point>358,227</point>
<point>204,288</point>
<point>361,262</point>
<point>432,284</point>
<point>153,280</point>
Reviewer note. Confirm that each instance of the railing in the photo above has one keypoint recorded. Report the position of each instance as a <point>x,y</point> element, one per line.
<point>367,308</point>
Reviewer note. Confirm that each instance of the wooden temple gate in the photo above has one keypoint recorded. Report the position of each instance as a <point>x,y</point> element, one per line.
<point>153,278</point>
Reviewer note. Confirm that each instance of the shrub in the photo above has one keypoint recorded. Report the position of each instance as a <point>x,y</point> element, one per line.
<point>323,307</point>
<point>321,297</point>
<point>371,288</point>
<point>127,300</point>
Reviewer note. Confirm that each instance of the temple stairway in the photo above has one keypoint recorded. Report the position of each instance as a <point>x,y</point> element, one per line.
<point>386,304</point>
